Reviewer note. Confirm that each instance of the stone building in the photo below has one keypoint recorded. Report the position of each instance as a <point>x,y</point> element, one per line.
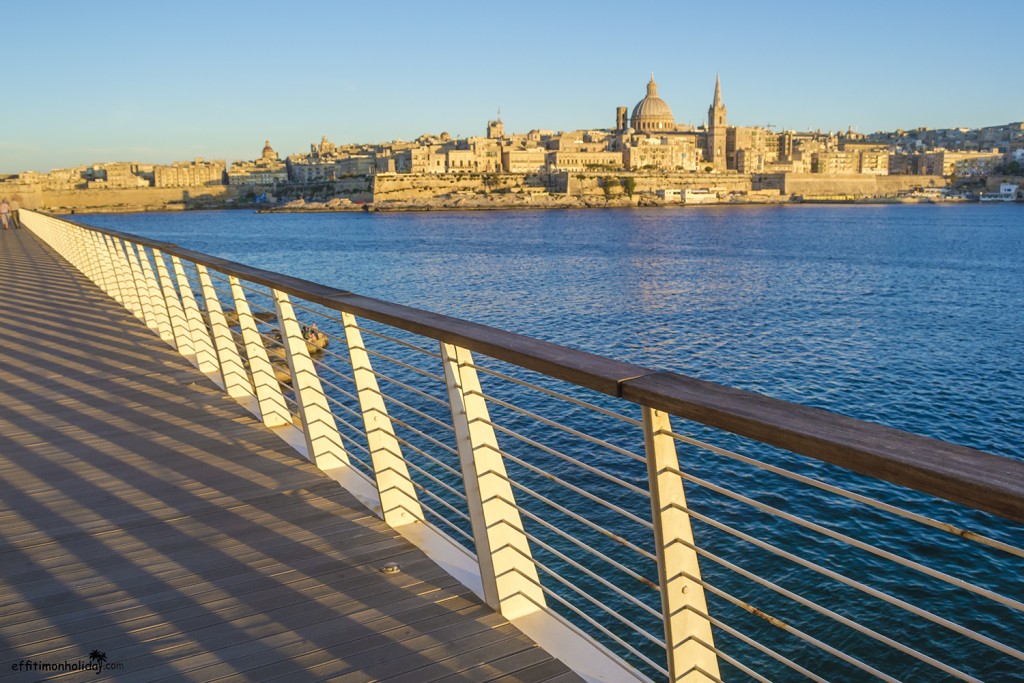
<point>197,173</point>
<point>577,160</point>
<point>324,148</point>
<point>311,169</point>
<point>118,175</point>
<point>663,153</point>
<point>749,150</point>
<point>351,165</point>
<point>872,158</point>
<point>428,159</point>
<point>496,129</point>
<point>530,160</point>
<point>834,162</point>
<point>945,162</point>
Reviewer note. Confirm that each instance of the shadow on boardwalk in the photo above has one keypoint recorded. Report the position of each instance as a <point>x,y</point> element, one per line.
<point>150,521</point>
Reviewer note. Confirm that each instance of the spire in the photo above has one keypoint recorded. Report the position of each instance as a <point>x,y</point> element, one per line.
<point>652,87</point>
<point>718,92</point>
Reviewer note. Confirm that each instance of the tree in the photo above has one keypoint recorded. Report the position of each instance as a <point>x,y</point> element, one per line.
<point>607,182</point>
<point>630,185</point>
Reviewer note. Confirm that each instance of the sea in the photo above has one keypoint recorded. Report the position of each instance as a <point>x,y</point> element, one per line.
<point>911,316</point>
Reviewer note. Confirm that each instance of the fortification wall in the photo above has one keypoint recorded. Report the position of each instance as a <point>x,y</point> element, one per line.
<point>594,184</point>
<point>419,186</point>
<point>139,199</point>
<point>855,185</point>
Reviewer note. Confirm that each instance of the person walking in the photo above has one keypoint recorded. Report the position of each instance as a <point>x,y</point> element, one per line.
<point>5,214</point>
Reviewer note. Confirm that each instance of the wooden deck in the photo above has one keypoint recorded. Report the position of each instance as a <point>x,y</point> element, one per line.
<point>146,516</point>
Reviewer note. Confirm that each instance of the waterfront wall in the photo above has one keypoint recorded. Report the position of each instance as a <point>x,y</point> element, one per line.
<point>855,185</point>
<point>993,182</point>
<point>593,184</point>
<point>138,199</point>
<point>404,187</point>
<point>476,190</point>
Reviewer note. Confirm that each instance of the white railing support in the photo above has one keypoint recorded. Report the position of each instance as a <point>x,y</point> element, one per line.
<point>115,267</point>
<point>141,288</point>
<point>323,442</point>
<point>269,398</point>
<point>510,581</point>
<point>107,279</point>
<point>398,499</point>
<point>175,311</point>
<point>236,380</point>
<point>126,280</point>
<point>688,638</point>
<point>156,298</point>
<point>89,265</point>
<point>74,248</point>
<point>206,356</point>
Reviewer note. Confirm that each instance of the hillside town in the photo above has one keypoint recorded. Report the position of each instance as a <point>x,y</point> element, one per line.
<point>645,158</point>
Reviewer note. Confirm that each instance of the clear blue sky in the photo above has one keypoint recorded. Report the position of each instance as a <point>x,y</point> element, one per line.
<point>89,82</point>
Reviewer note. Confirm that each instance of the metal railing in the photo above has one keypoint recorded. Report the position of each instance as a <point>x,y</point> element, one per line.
<point>638,524</point>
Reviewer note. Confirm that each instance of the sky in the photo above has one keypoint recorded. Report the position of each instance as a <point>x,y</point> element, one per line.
<point>155,82</point>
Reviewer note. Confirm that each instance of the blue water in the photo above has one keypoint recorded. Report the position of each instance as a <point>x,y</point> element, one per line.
<point>910,316</point>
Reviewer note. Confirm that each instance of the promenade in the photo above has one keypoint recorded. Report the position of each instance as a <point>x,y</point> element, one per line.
<point>152,523</point>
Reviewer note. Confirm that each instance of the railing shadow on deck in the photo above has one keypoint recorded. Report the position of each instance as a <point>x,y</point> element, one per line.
<point>637,523</point>
<point>164,571</point>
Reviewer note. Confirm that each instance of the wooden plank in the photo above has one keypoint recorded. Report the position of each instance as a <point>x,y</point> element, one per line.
<point>143,515</point>
<point>307,640</point>
<point>448,658</point>
<point>497,666</point>
<point>309,575</point>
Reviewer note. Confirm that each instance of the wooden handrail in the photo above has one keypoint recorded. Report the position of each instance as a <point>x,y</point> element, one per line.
<point>959,474</point>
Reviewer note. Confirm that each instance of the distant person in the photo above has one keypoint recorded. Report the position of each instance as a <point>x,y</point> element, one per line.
<point>5,214</point>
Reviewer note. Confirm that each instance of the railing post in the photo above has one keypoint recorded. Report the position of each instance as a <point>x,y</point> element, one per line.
<point>398,499</point>
<point>141,287</point>
<point>273,410</point>
<point>114,267</point>
<point>89,255</point>
<point>206,356</point>
<point>510,581</point>
<point>107,278</point>
<point>175,312</point>
<point>236,381</point>
<point>77,236</point>
<point>688,639</point>
<point>74,248</point>
<point>126,280</point>
<point>323,442</point>
<point>156,298</point>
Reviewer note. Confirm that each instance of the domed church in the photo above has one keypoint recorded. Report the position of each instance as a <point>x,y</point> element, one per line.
<point>652,113</point>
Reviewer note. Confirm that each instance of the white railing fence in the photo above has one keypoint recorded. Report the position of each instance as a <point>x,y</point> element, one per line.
<point>638,524</point>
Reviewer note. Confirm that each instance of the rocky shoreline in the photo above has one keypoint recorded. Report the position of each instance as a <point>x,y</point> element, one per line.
<point>538,201</point>
<point>550,202</point>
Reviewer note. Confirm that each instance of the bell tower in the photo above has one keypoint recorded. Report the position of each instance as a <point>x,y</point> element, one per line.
<point>496,129</point>
<point>717,129</point>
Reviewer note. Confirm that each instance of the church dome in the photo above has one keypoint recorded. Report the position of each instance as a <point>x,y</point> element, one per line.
<point>268,151</point>
<point>652,113</point>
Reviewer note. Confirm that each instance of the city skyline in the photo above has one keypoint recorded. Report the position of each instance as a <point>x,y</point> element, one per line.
<point>123,82</point>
